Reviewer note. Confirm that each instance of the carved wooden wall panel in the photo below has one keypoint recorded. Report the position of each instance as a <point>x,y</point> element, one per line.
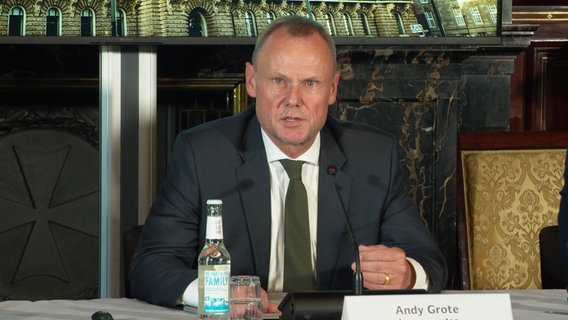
<point>540,81</point>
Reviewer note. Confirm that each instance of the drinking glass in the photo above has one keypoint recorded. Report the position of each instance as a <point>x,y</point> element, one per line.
<point>245,299</point>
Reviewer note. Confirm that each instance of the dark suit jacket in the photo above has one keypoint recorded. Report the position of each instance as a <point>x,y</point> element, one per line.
<point>563,218</point>
<point>225,159</point>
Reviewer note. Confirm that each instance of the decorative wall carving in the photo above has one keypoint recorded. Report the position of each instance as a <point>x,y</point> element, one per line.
<point>49,235</point>
<point>49,175</point>
<point>169,18</point>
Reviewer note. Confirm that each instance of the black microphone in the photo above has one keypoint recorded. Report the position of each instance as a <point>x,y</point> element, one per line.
<point>358,275</point>
<point>101,315</point>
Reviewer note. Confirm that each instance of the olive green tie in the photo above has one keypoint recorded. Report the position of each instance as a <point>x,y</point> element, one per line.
<point>298,275</point>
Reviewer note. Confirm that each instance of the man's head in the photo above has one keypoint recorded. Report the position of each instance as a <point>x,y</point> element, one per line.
<point>294,78</point>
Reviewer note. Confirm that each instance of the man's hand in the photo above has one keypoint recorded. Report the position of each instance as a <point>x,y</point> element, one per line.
<point>269,307</point>
<point>385,268</point>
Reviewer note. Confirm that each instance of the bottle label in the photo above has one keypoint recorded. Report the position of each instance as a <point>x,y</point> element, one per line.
<point>214,228</point>
<point>216,289</point>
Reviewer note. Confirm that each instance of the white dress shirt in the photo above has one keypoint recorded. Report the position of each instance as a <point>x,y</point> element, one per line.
<point>278,185</point>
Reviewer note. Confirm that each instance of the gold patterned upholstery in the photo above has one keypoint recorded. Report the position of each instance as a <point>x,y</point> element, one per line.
<point>508,195</point>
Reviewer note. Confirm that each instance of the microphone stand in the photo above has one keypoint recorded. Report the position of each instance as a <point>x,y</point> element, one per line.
<point>324,305</point>
<point>358,275</point>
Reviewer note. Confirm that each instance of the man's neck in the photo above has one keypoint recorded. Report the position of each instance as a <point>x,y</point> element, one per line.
<point>309,154</point>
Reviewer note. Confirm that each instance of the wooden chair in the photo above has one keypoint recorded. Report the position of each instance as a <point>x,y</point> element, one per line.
<point>508,189</point>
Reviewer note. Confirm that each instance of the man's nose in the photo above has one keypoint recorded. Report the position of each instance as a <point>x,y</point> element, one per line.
<point>293,95</point>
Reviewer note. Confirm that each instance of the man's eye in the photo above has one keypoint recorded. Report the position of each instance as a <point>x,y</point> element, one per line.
<point>311,83</point>
<point>278,80</point>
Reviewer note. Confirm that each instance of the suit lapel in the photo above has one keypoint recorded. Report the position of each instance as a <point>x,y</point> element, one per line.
<point>254,181</point>
<point>331,221</point>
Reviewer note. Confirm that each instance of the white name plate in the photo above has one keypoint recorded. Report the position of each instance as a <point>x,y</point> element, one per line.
<point>466,306</point>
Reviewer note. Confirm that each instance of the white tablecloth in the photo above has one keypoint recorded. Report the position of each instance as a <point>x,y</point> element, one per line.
<point>536,304</point>
<point>526,304</point>
<point>120,309</point>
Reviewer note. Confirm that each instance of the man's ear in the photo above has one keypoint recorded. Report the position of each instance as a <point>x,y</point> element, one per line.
<point>250,80</point>
<point>333,91</point>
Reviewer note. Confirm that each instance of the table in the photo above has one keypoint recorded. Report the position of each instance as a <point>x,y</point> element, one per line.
<point>535,304</point>
<point>532,304</point>
<point>120,309</point>
<point>527,305</point>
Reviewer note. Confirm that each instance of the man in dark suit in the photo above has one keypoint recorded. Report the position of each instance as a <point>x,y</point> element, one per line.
<point>563,219</point>
<point>294,77</point>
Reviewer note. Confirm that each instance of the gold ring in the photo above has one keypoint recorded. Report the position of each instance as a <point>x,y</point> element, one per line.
<point>387,279</point>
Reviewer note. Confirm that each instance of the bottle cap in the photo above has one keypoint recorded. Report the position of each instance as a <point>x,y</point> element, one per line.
<point>214,201</point>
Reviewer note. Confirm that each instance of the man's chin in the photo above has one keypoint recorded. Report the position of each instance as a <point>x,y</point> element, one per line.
<point>293,144</point>
<point>295,141</point>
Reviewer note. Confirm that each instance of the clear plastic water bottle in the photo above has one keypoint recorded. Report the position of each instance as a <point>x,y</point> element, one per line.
<point>214,267</point>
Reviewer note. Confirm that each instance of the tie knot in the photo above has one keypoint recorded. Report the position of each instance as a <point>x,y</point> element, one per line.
<point>293,168</point>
